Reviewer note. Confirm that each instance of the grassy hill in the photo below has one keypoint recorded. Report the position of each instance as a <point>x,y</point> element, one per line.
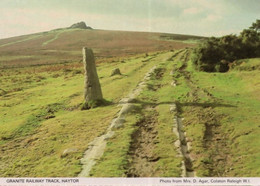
<point>43,131</point>
<point>64,45</point>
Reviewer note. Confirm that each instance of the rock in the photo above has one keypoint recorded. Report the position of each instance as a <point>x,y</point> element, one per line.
<point>92,86</point>
<point>173,83</point>
<point>68,151</point>
<point>126,109</point>
<point>173,108</point>
<point>127,100</point>
<point>118,123</point>
<point>81,25</point>
<point>115,72</point>
<point>177,144</point>
<point>189,147</point>
<point>109,135</point>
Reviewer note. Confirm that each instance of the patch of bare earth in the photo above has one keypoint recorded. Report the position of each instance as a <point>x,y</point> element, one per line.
<point>142,158</point>
<point>141,153</point>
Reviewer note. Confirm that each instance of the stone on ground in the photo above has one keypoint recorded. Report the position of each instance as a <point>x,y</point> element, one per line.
<point>115,72</point>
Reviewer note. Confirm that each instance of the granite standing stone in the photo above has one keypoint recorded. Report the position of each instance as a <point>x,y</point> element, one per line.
<point>92,86</point>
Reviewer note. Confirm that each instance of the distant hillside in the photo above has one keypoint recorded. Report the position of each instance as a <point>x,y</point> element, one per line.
<point>65,45</point>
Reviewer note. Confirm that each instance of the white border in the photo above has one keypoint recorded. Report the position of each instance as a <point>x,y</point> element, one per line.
<point>129,181</point>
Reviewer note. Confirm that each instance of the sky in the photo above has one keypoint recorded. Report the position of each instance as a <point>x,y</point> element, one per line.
<point>193,17</point>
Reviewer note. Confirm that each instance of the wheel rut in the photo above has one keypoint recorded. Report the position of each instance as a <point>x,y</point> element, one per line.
<point>214,142</point>
<point>142,156</point>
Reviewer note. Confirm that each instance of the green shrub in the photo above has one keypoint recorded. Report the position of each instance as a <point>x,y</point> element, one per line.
<point>214,54</point>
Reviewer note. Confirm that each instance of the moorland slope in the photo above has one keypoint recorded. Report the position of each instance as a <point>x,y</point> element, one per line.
<point>64,45</point>
<point>183,122</point>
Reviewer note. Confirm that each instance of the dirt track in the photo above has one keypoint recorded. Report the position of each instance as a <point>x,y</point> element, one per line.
<point>97,147</point>
<point>141,150</point>
<point>214,143</point>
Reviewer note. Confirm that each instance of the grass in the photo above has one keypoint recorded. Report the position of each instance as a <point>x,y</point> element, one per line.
<point>47,121</point>
<point>246,65</point>
<point>33,121</point>
<point>41,117</point>
<point>115,161</point>
<point>241,121</point>
<point>66,130</point>
<point>233,98</point>
<point>238,92</point>
<point>169,163</point>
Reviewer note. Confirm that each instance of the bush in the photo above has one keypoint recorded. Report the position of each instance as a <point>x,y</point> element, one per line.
<point>214,54</point>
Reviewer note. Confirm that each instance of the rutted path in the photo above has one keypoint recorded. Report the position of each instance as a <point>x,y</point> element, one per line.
<point>181,143</point>
<point>214,144</point>
<point>54,38</point>
<point>141,150</point>
<point>183,147</point>
<point>143,159</point>
<point>142,156</point>
<point>97,147</point>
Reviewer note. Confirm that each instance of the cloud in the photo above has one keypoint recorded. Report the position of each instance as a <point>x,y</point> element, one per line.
<point>213,17</point>
<point>192,10</point>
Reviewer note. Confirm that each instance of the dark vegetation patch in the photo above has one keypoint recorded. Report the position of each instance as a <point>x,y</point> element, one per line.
<point>157,75</point>
<point>217,54</point>
<point>180,37</point>
<point>95,103</point>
